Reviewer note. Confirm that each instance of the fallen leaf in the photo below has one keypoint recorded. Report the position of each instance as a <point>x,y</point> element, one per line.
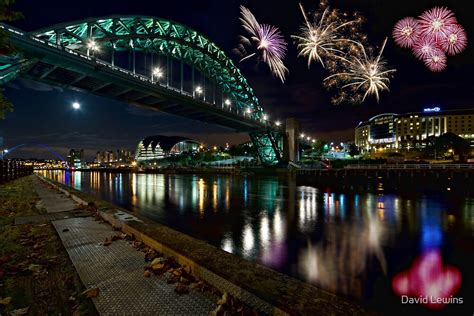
<point>223,299</point>
<point>181,289</point>
<point>184,281</point>
<point>158,267</point>
<point>218,311</point>
<point>107,242</point>
<point>172,279</point>
<point>20,311</point>
<point>146,274</point>
<point>5,259</point>
<point>6,300</point>
<point>158,261</point>
<point>92,292</point>
<point>34,267</point>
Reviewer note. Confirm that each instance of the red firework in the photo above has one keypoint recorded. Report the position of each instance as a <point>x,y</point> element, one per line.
<point>454,40</point>
<point>423,47</point>
<point>406,32</point>
<point>436,60</point>
<point>434,21</point>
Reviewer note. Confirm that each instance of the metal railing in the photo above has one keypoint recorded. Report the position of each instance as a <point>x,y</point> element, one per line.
<point>412,167</point>
<point>11,170</point>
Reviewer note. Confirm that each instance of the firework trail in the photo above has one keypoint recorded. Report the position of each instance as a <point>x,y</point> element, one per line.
<point>268,42</point>
<point>364,75</point>
<point>433,35</point>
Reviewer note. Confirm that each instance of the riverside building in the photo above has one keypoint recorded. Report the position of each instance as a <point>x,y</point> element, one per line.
<point>404,132</point>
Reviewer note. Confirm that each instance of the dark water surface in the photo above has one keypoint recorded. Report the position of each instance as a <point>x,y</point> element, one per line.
<point>348,243</point>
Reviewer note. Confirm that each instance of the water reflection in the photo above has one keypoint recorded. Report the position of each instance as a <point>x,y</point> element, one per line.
<point>340,241</point>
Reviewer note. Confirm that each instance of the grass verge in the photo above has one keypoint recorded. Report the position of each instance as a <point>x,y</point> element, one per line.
<point>36,275</point>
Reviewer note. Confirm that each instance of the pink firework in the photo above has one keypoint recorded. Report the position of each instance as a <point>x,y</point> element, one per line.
<point>454,40</point>
<point>434,21</point>
<point>423,47</point>
<point>406,32</point>
<point>436,60</point>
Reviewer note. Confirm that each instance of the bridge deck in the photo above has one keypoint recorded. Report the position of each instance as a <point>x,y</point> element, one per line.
<point>55,65</point>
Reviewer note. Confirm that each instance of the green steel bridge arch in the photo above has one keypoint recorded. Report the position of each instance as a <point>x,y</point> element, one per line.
<point>53,55</point>
<point>166,38</point>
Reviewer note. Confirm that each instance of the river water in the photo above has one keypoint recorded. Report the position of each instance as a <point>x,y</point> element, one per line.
<point>359,245</point>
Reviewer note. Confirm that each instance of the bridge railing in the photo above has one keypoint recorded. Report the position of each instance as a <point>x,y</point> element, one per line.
<point>130,73</point>
<point>412,167</point>
<point>11,170</point>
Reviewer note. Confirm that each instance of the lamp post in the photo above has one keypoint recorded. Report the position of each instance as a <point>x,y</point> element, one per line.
<point>156,73</point>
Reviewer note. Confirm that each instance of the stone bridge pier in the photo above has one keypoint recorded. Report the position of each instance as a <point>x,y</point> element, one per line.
<point>291,152</point>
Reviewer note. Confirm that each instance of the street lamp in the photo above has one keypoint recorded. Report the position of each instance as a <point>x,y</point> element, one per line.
<point>277,123</point>
<point>265,117</point>
<point>92,46</point>
<point>227,102</point>
<point>76,105</point>
<point>199,90</point>
<point>302,135</point>
<point>156,73</point>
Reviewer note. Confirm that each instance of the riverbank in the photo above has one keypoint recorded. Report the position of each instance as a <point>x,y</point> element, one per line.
<point>264,289</point>
<point>36,275</point>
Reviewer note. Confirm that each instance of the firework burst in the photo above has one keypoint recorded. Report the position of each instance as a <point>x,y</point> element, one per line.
<point>454,40</point>
<point>364,75</point>
<point>321,39</point>
<point>267,41</point>
<point>434,22</point>
<point>436,60</point>
<point>406,32</point>
<point>438,34</point>
<point>424,47</point>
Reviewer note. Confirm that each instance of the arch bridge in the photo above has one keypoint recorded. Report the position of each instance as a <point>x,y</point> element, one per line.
<point>149,62</point>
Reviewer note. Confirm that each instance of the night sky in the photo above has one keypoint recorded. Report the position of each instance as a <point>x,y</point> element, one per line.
<point>43,114</point>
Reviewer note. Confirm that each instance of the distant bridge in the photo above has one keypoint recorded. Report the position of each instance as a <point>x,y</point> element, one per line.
<point>10,150</point>
<point>152,63</point>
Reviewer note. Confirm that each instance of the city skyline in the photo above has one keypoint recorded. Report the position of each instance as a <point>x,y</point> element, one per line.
<point>102,123</point>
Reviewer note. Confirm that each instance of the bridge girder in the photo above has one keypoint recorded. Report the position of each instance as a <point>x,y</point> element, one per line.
<point>161,36</point>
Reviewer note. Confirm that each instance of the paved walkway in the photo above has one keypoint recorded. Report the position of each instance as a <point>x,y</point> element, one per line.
<point>117,270</point>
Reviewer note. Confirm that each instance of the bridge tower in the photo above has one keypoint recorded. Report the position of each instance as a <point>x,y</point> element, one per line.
<point>291,148</point>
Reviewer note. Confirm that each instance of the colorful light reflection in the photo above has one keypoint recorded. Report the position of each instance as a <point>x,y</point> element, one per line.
<point>428,278</point>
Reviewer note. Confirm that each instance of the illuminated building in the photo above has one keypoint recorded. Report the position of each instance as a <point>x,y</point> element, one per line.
<point>403,132</point>
<point>121,155</point>
<point>159,147</point>
<point>76,159</point>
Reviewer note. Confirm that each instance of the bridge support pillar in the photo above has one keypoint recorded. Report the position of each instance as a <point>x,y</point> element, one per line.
<point>291,144</point>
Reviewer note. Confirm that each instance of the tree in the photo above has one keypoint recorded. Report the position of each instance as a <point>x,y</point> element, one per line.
<point>6,49</point>
<point>353,150</point>
<point>452,143</point>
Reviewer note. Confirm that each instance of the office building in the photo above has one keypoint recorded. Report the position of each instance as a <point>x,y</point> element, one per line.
<point>405,132</point>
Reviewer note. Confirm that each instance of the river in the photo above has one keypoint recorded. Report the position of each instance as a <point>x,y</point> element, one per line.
<point>359,245</point>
